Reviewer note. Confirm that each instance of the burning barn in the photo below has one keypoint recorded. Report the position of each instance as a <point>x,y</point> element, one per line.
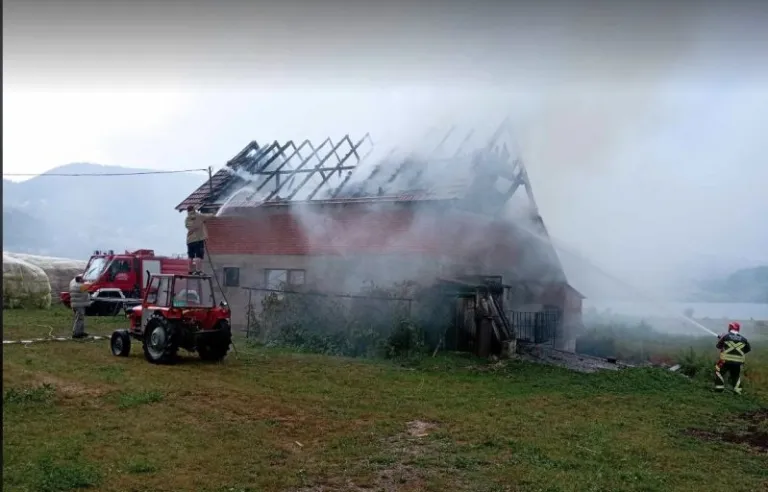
<point>334,216</point>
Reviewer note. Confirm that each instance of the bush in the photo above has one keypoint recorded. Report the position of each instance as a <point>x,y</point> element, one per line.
<point>378,323</point>
<point>695,365</point>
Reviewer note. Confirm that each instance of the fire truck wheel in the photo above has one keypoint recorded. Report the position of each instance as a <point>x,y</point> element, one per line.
<point>121,343</point>
<point>159,345</point>
<point>215,349</point>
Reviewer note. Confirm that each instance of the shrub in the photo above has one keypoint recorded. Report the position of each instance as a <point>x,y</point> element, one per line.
<point>378,323</point>
<point>694,364</point>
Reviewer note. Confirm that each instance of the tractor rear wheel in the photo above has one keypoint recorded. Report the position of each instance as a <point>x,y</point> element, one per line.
<point>160,346</point>
<point>121,343</point>
<point>214,348</point>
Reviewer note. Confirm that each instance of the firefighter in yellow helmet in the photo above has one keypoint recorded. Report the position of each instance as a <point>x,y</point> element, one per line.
<point>733,348</point>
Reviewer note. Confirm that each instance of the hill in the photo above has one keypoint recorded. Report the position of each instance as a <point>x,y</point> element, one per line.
<point>745,285</point>
<point>71,216</point>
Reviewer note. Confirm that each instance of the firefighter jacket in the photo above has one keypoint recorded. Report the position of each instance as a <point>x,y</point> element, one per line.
<point>79,297</point>
<point>733,347</point>
<point>195,226</point>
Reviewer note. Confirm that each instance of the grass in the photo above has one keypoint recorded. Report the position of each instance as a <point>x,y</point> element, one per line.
<point>75,417</point>
<point>696,354</point>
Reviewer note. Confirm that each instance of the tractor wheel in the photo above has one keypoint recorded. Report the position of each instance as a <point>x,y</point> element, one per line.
<point>121,343</point>
<point>159,344</point>
<point>215,348</point>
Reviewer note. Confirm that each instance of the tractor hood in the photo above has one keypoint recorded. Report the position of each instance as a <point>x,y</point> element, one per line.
<point>133,311</point>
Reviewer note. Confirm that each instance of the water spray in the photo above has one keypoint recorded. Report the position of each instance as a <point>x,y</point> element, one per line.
<point>637,291</point>
<point>246,190</point>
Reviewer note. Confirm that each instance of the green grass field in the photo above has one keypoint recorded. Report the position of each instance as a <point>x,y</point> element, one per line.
<point>75,417</point>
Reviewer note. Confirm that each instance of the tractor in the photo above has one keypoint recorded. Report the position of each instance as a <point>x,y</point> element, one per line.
<point>177,311</point>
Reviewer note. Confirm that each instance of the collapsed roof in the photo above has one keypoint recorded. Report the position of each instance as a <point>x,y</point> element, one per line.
<point>485,176</point>
<point>481,176</point>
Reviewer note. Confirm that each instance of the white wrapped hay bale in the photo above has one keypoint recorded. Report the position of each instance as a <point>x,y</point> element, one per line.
<point>60,271</point>
<point>25,285</point>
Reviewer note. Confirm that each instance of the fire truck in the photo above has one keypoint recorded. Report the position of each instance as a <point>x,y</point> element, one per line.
<point>116,281</point>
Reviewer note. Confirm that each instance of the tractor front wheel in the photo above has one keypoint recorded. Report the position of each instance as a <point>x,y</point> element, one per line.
<point>159,344</point>
<point>121,343</point>
<point>215,347</point>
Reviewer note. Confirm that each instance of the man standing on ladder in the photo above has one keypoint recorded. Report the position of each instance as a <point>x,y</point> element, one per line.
<point>733,350</point>
<point>79,299</point>
<point>195,223</point>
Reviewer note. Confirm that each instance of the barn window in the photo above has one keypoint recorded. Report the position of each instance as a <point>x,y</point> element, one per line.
<point>231,277</point>
<point>296,277</point>
<point>278,279</point>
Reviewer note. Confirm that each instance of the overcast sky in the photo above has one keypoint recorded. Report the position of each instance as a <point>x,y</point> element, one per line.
<point>643,127</point>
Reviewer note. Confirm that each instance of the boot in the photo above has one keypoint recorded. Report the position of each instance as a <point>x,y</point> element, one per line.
<point>78,336</point>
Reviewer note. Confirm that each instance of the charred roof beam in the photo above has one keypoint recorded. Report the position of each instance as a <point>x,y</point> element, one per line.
<point>299,168</point>
<point>340,166</point>
<point>319,166</point>
<point>338,189</point>
<point>254,145</point>
<point>280,153</point>
<point>277,172</point>
<point>444,140</point>
<point>263,166</point>
<point>463,143</point>
<point>248,163</point>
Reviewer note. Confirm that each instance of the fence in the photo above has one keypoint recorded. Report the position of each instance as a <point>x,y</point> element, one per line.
<point>535,327</point>
<point>279,313</point>
<point>320,308</point>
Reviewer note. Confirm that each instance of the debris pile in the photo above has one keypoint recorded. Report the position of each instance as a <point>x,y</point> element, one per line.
<point>575,362</point>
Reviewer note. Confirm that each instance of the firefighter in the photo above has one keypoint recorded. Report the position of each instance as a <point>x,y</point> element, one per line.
<point>195,237</point>
<point>80,299</point>
<point>733,348</point>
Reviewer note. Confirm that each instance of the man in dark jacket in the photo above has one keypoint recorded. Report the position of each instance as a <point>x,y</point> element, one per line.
<point>733,348</point>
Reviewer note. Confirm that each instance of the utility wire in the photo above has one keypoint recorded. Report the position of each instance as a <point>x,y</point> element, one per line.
<point>106,174</point>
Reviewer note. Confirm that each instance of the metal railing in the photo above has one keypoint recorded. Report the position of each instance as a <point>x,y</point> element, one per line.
<point>535,327</point>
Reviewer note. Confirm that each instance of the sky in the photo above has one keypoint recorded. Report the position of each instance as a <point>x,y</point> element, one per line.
<point>642,124</point>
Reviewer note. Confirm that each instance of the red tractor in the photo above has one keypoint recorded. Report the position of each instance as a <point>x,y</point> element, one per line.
<point>177,311</point>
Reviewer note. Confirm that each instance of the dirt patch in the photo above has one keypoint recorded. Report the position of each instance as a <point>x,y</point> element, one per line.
<point>749,429</point>
<point>396,479</point>
<point>400,475</point>
<point>70,389</point>
<point>238,407</point>
<point>419,428</point>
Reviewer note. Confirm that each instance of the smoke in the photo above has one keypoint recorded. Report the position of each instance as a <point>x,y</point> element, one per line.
<point>387,239</point>
<point>594,122</point>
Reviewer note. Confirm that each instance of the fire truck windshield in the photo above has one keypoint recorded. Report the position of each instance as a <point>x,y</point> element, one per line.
<point>94,269</point>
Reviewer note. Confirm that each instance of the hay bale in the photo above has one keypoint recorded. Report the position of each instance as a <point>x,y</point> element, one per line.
<point>60,271</point>
<point>25,285</point>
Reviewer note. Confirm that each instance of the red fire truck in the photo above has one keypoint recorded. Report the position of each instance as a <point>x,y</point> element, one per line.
<point>120,279</point>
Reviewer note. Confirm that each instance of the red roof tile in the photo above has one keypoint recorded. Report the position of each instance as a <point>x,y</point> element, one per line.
<point>202,194</point>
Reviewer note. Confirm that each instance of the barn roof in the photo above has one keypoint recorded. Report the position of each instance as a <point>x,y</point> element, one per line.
<point>482,177</point>
<point>280,171</point>
<point>352,169</point>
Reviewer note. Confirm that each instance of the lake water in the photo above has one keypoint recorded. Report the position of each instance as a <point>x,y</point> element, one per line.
<point>733,310</point>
